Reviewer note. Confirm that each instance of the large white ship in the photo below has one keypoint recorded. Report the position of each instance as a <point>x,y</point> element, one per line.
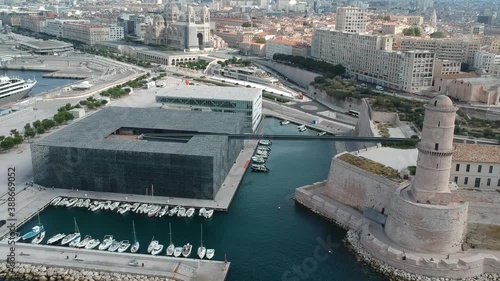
<point>14,89</point>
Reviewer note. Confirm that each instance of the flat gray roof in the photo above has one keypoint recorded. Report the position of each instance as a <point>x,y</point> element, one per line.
<point>91,131</point>
<point>211,92</point>
<point>46,44</point>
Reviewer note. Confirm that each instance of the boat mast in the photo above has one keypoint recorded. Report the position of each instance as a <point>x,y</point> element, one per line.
<point>133,225</point>
<point>201,240</point>
<point>76,226</point>
<point>170,231</point>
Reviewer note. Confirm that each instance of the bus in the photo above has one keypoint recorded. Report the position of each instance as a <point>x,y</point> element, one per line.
<point>353,113</point>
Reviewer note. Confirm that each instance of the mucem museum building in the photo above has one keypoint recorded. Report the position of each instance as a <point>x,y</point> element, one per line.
<point>141,151</point>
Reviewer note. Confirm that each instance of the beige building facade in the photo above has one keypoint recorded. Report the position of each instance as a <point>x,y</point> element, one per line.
<point>476,166</point>
<point>476,90</point>
<point>86,33</point>
<point>351,19</point>
<point>370,58</point>
<point>462,50</point>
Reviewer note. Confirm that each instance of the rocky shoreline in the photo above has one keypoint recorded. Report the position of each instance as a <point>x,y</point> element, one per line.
<point>352,242</point>
<point>43,273</point>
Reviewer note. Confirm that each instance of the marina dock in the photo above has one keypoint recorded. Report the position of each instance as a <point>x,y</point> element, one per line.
<point>180,269</point>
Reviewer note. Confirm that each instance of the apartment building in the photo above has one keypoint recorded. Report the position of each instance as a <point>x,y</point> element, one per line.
<point>116,32</point>
<point>33,23</point>
<point>86,33</point>
<point>445,67</point>
<point>410,20</point>
<point>54,27</point>
<point>351,19</point>
<point>477,29</point>
<point>370,58</point>
<point>287,47</point>
<point>476,166</point>
<point>462,50</point>
<point>495,46</point>
<point>485,61</point>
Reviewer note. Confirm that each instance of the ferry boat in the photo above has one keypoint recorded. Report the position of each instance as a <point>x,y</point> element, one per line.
<point>284,122</point>
<point>14,89</point>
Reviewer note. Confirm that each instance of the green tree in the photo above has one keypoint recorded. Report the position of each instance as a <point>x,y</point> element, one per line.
<point>261,40</point>
<point>68,106</point>
<point>246,24</point>
<point>437,34</point>
<point>48,123</point>
<point>29,133</point>
<point>412,31</point>
<point>40,130</point>
<point>7,143</point>
<point>488,133</point>
<point>58,118</point>
<point>27,126</point>
<point>104,102</point>
<point>2,138</point>
<point>36,124</point>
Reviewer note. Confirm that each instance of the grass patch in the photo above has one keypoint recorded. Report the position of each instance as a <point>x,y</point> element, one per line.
<point>272,96</point>
<point>371,166</point>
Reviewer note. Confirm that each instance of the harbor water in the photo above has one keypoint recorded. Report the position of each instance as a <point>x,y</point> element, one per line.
<point>43,84</point>
<point>265,235</point>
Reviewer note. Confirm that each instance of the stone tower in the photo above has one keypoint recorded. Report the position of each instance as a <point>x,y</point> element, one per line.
<point>434,18</point>
<point>422,216</point>
<point>435,151</point>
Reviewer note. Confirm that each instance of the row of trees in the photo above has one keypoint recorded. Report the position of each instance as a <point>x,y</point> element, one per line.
<point>198,65</point>
<point>235,61</point>
<point>327,69</point>
<point>9,142</point>
<point>92,103</point>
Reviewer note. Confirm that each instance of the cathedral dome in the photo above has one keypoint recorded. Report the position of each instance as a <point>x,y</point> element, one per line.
<point>172,9</point>
<point>441,101</point>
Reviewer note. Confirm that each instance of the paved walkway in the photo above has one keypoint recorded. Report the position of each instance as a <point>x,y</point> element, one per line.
<point>94,260</point>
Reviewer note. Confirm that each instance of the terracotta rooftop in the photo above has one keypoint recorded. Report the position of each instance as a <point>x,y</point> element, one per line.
<point>476,153</point>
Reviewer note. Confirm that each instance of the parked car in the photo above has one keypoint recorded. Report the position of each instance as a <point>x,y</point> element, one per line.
<point>379,88</point>
<point>2,222</point>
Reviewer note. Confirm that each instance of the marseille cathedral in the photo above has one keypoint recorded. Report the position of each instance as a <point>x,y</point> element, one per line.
<point>187,30</point>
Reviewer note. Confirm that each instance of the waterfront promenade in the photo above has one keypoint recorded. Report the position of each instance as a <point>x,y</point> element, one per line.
<point>180,269</point>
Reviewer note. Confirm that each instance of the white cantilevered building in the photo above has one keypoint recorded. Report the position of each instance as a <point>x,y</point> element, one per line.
<point>246,101</point>
<point>476,166</point>
<point>370,58</point>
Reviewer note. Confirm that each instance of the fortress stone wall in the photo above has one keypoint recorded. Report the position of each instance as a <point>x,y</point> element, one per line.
<point>358,188</point>
<point>426,227</point>
<point>300,76</point>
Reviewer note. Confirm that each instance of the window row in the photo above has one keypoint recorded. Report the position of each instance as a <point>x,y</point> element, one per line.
<point>479,168</point>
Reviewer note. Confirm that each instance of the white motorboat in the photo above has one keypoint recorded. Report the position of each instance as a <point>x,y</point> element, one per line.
<point>202,212</point>
<point>73,236</point>
<point>266,148</point>
<point>177,251</point>
<point>153,210</point>
<point>262,152</point>
<point>152,245</point>
<point>92,244</point>
<point>190,212</point>
<point>173,211</point>
<point>182,212</point>
<point>79,203</point>
<point>157,250</point>
<point>186,250</point>
<point>162,212</point>
<point>124,245</point>
<point>209,213</point>
<point>55,201</point>
<point>321,134</point>
<point>265,142</point>
<point>56,238</point>
<point>114,246</point>
<point>147,209</point>
<point>171,246</point>
<point>75,242</point>
<point>123,210</point>
<point>284,122</point>
<point>260,168</point>
<point>106,205</point>
<point>134,207</point>
<point>114,205</point>
<point>84,242</point>
<point>39,238</point>
<point>63,202</point>
<point>136,244</point>
<point>210,253</point>
<point>106,242</point>
<point>86,203</point>
<point>96,207</point>
<point>302,128</point>
<point>201,250</point>
<point>258,160</point>
<point>141,208</point>
<point>71,202</point>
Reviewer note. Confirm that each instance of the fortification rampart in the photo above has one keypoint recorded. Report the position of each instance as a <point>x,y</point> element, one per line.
<point>426,228</point>
<point>359,188</point>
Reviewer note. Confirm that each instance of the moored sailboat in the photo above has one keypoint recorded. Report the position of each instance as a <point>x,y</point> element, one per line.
<point>201,250</point>
<point>73,236</point>
<point>55,238</point>
<point>152,244</point>
<point>186,250</point>
<point>34,230</point>
<point>135,245</point>
<point>106,242</point>
<point>39,238</point>
<point>171,246</point>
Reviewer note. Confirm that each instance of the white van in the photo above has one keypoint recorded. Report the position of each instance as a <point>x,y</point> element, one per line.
<point>379,88</point>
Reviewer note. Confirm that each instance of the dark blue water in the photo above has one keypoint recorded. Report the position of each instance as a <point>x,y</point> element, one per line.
<point>265,234</point>
<point>43,85</point>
